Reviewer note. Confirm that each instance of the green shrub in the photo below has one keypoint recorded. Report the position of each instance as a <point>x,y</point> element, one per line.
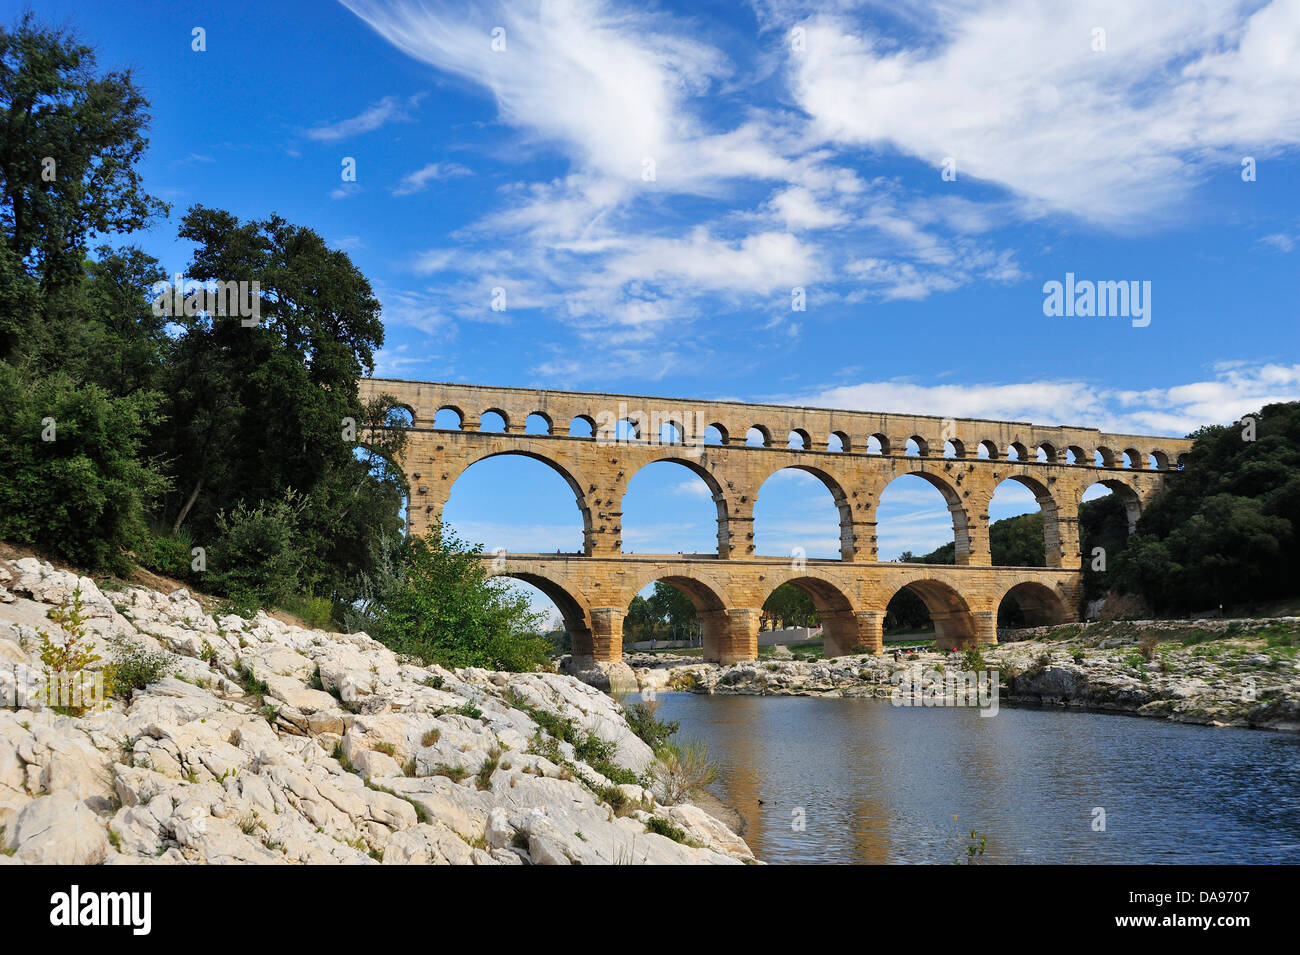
<point>257,557</point>
<point>316,612</point>
<point>243,605</point>
<point>66,663</point>
<point>168,554</point>
<point>135,666</point>
<point>444,609</point>
<point>684,769</point>
<point>663,827</point>
<point>82,495</point>
<point>653,731</point>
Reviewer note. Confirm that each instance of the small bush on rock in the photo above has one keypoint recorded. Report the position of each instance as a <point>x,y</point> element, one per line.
<point>135,666</point>
<point>663,827</point>
<point>684,769</point>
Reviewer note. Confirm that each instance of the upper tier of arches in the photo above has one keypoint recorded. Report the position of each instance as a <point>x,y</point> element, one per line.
<point>803,430</point>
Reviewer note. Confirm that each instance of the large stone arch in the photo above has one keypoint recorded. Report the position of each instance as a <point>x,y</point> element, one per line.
<point>1050,511</point>
<point>845,630</point>
<point>838,495</point>
<point>674,456</point>
<point>394,405</point>
<point>955,624</point>
<point>968,540</point>
<point>1040,604</point>
<point>572,605</point>
<point>729,634</point>
<point>1127,492</point>
<point>570,478</point>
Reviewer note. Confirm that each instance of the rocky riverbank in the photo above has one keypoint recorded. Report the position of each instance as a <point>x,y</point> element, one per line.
<point>264,742</point>
<point>1243,673</point>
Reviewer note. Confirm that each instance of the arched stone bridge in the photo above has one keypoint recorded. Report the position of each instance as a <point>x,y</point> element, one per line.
<point>598,442</point>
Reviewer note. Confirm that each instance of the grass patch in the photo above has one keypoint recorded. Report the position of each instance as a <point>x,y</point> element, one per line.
<point>661,826</point>
<point>454,773</point>
<point>489,767</point>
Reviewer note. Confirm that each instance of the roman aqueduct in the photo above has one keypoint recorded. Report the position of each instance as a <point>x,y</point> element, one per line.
<point>734,447</point>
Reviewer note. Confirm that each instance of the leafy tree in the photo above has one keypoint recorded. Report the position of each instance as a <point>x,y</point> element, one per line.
<point>444,609</point>
<point>791,606</point>
<point>81,494</point>
<point>672,608</point>
<point>288,383</point>
<point>1017,541</point>
<point>1224,532</point>
<point>258,554</point>
<point>640,622</point>
<point>70,140</point>
<point>1103,523</point>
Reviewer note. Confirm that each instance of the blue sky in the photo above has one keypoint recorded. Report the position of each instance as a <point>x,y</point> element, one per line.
<point>792,146</point>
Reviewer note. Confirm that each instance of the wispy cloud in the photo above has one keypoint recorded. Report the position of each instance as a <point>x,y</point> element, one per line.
<point>1108,111</point>
<point>627,97</point>
<point>390,109</point>
<point>419,180</point>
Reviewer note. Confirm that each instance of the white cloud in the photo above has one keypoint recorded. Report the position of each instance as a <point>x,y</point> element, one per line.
<point>419,180</point>
<point>1016,94</point>
<point>693,488</point>
<point>1011,89</point>
<point>387,110</point>
<point>609,88</point>
<point>603,83</point>
<point>1235,389</point>
<point>398,362</point>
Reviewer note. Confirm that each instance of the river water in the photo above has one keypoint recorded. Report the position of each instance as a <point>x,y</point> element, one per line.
<point>872,782</point>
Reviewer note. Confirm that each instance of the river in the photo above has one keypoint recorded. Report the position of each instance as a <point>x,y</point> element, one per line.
<point>871,782</point>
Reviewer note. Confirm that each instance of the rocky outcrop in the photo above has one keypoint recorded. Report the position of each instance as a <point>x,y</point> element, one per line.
<point>269,743</point>
<point>1243,673</point>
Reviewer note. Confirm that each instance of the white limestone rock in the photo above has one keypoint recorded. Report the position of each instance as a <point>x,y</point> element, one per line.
<point>57,829</point>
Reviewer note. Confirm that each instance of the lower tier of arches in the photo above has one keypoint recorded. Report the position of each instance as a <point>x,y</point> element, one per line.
<point>851,601</point>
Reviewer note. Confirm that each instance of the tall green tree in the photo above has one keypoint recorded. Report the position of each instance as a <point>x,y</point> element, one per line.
<point>672,608</point>
<point>70,142</point>
<point>267,407</point>
<point>76,362</point>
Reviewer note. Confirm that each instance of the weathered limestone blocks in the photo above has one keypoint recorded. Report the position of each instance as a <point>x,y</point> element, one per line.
<point>389,761</point>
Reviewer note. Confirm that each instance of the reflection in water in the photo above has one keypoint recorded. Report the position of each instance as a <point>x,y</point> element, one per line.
<point>878,783</point>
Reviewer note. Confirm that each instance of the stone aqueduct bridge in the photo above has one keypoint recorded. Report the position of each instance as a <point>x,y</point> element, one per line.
<point>965,459</point>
